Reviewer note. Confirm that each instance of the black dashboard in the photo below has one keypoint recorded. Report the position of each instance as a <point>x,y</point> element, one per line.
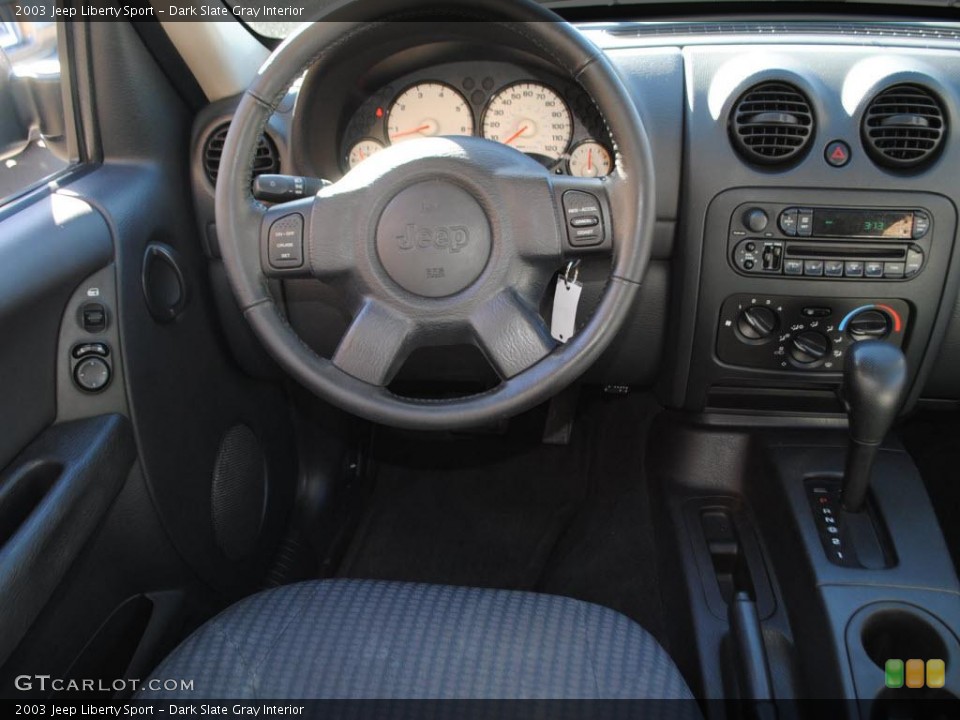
<point>806,169</point>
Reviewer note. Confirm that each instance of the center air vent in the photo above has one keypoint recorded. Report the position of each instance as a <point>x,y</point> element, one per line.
<point>267,159</point>
<point>772,124</point>
<point>903,127</point>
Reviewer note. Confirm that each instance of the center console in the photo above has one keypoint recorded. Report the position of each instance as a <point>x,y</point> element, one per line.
<point>818,315</point>
<point>790,279</point>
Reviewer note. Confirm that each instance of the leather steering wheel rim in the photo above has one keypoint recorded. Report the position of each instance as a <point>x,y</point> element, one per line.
<point>630,190</point>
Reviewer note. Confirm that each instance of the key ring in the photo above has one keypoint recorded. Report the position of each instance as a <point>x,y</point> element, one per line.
<point>574,267</point>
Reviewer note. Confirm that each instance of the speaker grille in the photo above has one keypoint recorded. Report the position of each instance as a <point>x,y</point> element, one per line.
<point>238,492</point>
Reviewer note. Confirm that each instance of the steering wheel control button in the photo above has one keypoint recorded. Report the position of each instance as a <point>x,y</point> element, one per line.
<point>837,153</point>
<point>434,239</point>
<point>584,218</point>
<point>84,349</point>
<point>93,317</point>
<point>92,375</point>
<point>285,248</point>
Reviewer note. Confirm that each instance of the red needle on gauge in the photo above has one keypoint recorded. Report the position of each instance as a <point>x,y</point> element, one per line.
<point>517,134</point>
<point>410,132</point>
<point>590,159</point>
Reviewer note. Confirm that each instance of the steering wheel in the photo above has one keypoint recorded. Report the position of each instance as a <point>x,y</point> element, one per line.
<point>437,240</point>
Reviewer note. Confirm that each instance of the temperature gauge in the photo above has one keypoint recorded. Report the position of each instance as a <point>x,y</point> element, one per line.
<point>590,159</point>
<point>362,150</point>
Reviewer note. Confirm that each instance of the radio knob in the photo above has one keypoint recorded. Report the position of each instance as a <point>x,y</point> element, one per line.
<point>869,324</point>
<point>756,220</point>
<point>809,348</point>
<point>757,323</point>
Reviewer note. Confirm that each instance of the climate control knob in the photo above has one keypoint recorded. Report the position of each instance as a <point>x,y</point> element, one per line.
<point>757,323</point>
<point>809,348</point>
<point>869,324</point>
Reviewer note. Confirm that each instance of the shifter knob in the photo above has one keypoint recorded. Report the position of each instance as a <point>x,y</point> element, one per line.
<point>874,379</point>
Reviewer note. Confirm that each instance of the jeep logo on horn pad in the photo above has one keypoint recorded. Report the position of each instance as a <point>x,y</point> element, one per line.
<point>433,239</point>
<point>444,237</point>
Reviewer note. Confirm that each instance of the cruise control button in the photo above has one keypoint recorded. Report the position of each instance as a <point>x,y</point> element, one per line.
<point>285,249</point>
<point>793,267</point>
<point>893,270</point>
<point>833,268</point>
<point>854,268</point>
<point>813,267</point>
<point>584,221</point>
<point>873,269</point>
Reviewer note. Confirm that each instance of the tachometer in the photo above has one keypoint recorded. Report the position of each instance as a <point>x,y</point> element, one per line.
<point>426,110</point>
<point>530,117</point>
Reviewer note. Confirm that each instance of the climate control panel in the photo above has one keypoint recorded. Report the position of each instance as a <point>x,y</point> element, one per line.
<point>783,333</point>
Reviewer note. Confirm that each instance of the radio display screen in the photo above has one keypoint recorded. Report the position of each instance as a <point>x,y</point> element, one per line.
<point>863,223</point>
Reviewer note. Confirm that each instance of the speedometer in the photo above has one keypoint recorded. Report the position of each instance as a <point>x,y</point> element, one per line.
<point>530,117</point>
<point>428,109</point>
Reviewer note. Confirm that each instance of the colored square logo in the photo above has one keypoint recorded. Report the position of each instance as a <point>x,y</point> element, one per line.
<point>915,673</point>
<point>893,673</point>
<point>936,673</point>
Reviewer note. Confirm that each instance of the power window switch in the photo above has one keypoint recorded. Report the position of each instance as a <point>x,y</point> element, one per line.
<point>93,317</point>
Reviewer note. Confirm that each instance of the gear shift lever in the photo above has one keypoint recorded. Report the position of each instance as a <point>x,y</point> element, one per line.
<point>874,380</point>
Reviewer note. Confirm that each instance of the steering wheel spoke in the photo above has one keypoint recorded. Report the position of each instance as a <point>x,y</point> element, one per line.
<point>511,334</point>
<point>376,344</point>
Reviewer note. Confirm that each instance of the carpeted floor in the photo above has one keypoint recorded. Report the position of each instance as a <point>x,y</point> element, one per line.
<point>507,511</point>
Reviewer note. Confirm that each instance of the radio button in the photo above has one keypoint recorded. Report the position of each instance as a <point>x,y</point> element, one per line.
<point>921,224</point>
<point>805,223</point>
<point>854,269</point>
<point>793,267</point>
<point>833,268</point>
<point>893,270</point>
<point>873,269</point>
<point>788,222</point>
<point>914,262</point>
<point>813,267</point>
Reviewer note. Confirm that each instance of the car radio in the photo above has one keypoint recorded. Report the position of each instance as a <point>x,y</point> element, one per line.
<point>829,242</point>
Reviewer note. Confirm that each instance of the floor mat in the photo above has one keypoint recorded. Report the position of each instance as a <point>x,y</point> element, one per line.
<point>510,512</point>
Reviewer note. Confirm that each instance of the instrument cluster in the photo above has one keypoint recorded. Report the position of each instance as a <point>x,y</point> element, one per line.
<point>553,121</point>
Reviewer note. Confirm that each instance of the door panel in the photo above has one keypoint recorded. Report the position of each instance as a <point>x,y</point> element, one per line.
<point>46,250</point>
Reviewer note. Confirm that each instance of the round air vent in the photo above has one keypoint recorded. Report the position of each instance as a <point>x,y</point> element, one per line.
<point>903,127</point>
<point>267,159</point>
<point>772,124</point>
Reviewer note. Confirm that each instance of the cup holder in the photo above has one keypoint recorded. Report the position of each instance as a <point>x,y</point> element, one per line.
<point>894,630</point>
<point>901,633</point>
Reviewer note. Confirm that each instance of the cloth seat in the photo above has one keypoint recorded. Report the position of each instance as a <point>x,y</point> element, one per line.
<point>360,639</point>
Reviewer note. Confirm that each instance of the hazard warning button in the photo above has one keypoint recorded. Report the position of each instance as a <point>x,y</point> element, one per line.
<point>837,153</point>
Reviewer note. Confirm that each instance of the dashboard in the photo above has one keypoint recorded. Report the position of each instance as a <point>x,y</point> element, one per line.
<point>783,190</point>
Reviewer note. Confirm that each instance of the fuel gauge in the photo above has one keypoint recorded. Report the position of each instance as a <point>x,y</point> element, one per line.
<point>362,150</point>
<point>590,159</point>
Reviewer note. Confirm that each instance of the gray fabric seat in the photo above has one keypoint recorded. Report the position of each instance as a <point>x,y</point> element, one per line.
<point>354,639</point>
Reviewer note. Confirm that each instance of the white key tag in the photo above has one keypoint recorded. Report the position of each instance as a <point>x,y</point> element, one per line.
<point>563,325</point>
